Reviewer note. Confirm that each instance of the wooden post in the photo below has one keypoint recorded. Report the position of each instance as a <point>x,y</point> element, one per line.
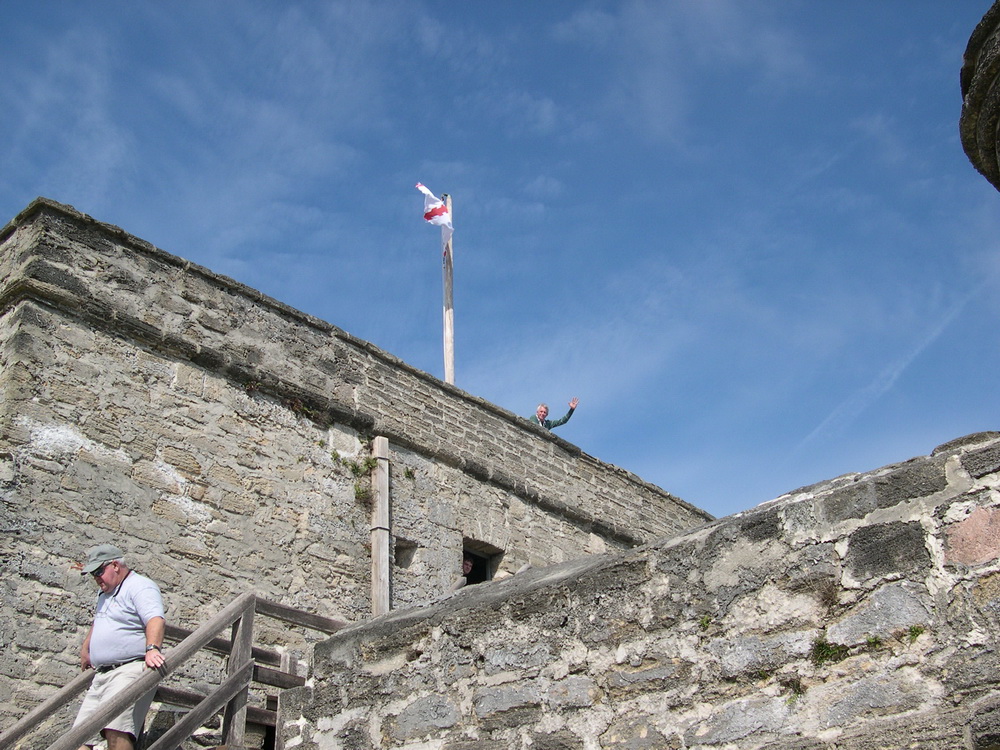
<point>380,527</point>
<point>234,718</point>
<point>289,664</point>
<point>449,308</point>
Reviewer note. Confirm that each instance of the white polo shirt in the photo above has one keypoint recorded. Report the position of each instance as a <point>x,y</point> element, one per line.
<point>119,633</point>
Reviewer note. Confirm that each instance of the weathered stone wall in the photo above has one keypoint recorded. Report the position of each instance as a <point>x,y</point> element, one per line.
<point>980,80</point>
<point>220,437</point>
<point>857,613</point>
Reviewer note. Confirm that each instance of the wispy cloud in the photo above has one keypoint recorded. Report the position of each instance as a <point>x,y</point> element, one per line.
<point>63,106</point>
<point>662,59</point>
<point>861,400</point>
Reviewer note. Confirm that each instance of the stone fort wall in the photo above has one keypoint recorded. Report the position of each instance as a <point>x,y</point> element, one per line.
<point>223,438</point>
<point>217,434</point>
<point>856,614</point>
<point>979,79</point>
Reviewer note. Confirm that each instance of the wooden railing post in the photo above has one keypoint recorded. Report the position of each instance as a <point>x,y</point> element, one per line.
<point>197,716</point>
<point>234,719</point>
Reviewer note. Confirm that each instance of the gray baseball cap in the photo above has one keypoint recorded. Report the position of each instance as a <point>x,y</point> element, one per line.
<point>97,556</point>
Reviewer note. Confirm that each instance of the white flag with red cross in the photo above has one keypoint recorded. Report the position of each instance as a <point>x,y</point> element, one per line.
<point>436,212</point>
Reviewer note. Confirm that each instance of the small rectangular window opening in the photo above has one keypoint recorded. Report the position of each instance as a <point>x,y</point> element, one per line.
<point>479,561</point>
<point>404,552</point>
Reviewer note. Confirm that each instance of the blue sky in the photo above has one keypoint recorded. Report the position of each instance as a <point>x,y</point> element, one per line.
<point>745,235</point>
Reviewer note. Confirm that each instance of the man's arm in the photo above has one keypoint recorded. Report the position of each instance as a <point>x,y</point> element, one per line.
<point>154,637</point>
<point>85,651</point>
<point>572,407</point>
<point>557,422</point>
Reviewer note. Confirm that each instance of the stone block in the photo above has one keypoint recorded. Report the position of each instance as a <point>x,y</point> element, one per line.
<point>182,460</point>
<point>971,669</point>
<point>846,702</point>
<point>637,733</point>
<point>984,724</point>
<point>192,548</point>
<point>574,691</point>
<point>917,478</point>
<point>892,607</point>
<point>423,716</point>
<point>522,656</point>
<point>855,500</point>
<point>489,702</point>
<point>886,549</point>
<point>974,540</point>
<point>938,729</point>
<point>654,675</point>
<point>986,596</point>
<point>796,742</point>
<point>558,740</point>
<point>982,462</point>
<point>157,476</point>
<point>752,654</point>
<point>761,525</point>
<point>732,722</point>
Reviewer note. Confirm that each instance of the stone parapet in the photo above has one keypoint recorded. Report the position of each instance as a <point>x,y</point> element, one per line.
<point>113,281</point>
<point>856,613</point>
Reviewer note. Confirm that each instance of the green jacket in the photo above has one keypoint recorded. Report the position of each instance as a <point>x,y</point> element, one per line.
<point>548,424</point>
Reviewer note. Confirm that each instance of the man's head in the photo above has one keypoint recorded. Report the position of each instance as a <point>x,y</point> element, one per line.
<point>542,412</point>
<point>107,565</point>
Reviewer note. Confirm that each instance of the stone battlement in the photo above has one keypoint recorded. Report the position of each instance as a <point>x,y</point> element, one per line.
<point>856,613</point>
<point>224,440</point>
<point>112,281</point>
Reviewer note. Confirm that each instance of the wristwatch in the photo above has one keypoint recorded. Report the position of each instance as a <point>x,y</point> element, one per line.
<point>151,647</point>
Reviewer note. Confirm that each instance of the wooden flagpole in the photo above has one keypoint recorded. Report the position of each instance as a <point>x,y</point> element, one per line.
<point>449,308</point>
<point>380,533</point>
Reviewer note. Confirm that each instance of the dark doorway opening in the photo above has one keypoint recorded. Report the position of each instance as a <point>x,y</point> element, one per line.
<point>485,559</point>
<point>480,568</point>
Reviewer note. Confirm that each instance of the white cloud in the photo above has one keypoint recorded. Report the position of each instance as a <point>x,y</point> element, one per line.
<point>664,59</point>
<point>62,118</point>
<point>544,187</point>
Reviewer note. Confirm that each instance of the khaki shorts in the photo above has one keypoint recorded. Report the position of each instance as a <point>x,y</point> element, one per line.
<point>107,684</point>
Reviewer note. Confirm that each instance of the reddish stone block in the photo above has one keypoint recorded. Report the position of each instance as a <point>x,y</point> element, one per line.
<point>976,540</point>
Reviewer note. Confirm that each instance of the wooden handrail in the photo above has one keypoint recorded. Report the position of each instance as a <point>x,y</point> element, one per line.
<point>221,646</point>
<point>298,617</point>
<point>206,633</point>
<point>191,698</point>
<point>175,657</point>
<point>231,695</point>
<point>277,678</point>
<point>45,709</point>
<point>218,698</point>
<point>234,718</point>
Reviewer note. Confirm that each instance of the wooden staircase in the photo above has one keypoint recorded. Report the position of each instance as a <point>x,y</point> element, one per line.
<point>246,665</point>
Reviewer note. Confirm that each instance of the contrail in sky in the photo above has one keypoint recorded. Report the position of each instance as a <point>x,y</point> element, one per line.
<point>856,404</point>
